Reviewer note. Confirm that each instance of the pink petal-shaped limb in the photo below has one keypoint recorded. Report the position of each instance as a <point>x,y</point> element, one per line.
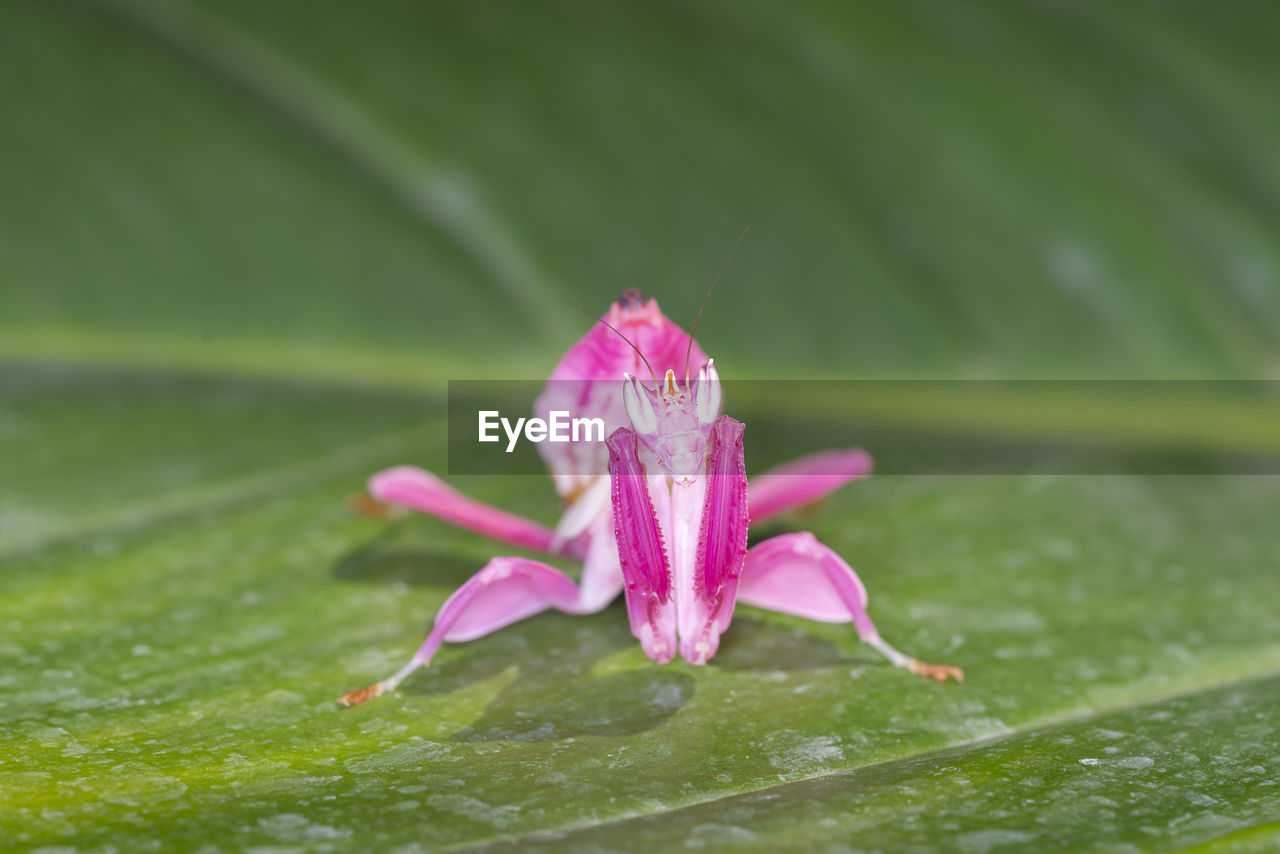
<point>710,521</point>
<point>642,553</point>
<point>805,480</point>
<point>506,590</point>
<point>421,490</point>
<point>796,574</point>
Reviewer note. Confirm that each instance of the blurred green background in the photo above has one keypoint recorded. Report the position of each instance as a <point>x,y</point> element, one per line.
<point>1042,189</point>
<point>243,246</point>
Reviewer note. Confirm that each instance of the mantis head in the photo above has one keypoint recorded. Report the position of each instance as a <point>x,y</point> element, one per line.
<point>674,423</point>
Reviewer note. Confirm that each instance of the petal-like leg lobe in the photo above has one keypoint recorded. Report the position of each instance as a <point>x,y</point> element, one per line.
<point>508,589</point>
<point>423,491</point>
<point>796,574</point>
<point>805,480</point>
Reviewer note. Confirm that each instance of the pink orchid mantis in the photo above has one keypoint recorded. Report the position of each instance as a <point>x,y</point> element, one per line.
<point>667,525</point>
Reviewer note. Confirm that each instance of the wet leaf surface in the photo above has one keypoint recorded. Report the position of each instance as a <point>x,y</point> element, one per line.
<point>174,678</point>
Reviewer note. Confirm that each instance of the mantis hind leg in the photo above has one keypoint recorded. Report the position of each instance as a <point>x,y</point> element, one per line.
<point>413,487</point>
<point>804,481</point>
<point>796,574</point>
<point>505,591</point>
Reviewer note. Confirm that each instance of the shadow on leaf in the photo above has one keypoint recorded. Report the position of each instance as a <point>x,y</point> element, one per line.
<point>558,694</point>
<point>389,560</point>
<point>617,704</point>
<point>754,645</point>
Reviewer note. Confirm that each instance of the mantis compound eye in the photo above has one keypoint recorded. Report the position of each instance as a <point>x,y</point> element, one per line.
<point>639,407</point>
<point>707,395</point>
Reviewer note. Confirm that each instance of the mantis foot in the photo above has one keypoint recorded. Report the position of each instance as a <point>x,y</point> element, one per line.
<point>939,672</point>
<point>355,698</point>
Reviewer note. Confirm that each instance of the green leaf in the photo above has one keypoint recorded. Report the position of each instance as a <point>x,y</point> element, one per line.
<point>243,244</point>
<point>173,677</point>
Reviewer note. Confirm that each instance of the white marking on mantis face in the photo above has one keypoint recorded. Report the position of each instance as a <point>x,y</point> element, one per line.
<point>674,423</point>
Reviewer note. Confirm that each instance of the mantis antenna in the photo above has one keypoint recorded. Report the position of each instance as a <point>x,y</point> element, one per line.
<point>689,351</point>
<point>652,375</point>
